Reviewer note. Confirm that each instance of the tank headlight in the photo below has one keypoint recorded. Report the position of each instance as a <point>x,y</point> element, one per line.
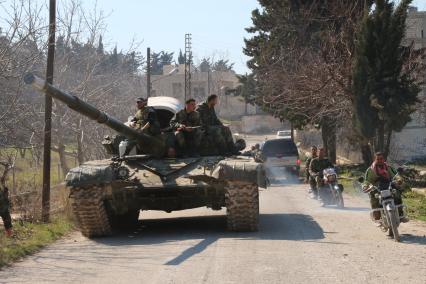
<point>123,172</point>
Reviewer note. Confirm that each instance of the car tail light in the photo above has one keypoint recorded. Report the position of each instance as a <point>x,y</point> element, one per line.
<point>298,162</point>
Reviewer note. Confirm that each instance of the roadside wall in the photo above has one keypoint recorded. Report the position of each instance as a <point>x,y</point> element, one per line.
<point>262,124</point>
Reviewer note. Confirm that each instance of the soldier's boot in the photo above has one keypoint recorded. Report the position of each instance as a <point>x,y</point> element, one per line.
<point>375,215</point>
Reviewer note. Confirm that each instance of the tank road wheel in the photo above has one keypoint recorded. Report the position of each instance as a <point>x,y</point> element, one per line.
<point>89,210</point>
<point>242,206</point>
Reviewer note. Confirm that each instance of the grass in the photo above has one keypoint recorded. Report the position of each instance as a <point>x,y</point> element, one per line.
<point>29,175</point>
<point>416,205</point>
<point>29,238</point>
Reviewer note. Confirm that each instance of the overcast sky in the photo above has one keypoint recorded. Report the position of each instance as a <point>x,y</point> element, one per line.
<point>217,26</point>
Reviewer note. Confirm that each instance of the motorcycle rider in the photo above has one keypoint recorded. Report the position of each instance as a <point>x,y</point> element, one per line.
<point>380,172</point>
<point>316,168</point>
<point>313,191</point>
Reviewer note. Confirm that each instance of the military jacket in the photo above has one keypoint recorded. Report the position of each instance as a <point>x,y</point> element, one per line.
<point>187,119</point>
<point>145,115</point>
<point>372,178</point>
<point>208,115</point>
<point>318,165</point>
<point>4,201</point>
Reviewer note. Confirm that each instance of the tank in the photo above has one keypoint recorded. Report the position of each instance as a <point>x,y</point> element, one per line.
<point>108,195</point>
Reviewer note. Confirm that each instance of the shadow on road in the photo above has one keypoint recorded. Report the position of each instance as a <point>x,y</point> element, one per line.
<point>209,229</point>
<point>413,239</point>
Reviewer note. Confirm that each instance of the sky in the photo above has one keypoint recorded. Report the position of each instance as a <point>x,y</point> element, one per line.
<point>217,26</point>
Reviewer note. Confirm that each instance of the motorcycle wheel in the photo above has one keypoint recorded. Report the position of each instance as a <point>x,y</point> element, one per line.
<point>393,230</point>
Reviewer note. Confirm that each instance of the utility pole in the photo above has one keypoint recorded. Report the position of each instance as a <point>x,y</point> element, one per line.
<point>188,61</point>
<point>148,72</point>
<point>45,198</point>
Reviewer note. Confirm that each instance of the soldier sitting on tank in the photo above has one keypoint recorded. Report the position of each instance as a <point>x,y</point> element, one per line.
<point>146,118</point>
<point>186,124</point>
<point>220,135</point>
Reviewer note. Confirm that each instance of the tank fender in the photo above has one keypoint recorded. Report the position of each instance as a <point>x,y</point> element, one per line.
<point>88,174</point>
<point>241,170</point>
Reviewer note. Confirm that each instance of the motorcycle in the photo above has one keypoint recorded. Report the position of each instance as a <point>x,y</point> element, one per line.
<point>390,217</point>
<point>332,191</point>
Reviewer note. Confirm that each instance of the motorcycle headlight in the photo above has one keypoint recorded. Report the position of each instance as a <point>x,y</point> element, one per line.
<point>331,178</point>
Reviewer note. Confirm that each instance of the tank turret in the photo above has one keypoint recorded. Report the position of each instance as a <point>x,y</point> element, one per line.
<point>154,146</point>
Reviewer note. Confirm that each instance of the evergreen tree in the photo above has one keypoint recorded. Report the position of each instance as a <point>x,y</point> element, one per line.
<point>100,49</point>
<point>205,65</point>
<point>385,94</point>
<point>223,65</point>
<point>181,57</point>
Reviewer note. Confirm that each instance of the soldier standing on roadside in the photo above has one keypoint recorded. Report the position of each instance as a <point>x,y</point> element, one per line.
<point>4,210</point>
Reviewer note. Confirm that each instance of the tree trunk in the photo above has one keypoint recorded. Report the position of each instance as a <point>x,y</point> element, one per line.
<point>329,137</point>
<point>388,143</point>
<point>63,158</point>
<point>366,153</point>
<point>380,137</point>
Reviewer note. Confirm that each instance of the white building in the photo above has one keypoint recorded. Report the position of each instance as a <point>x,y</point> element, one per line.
<point>411,142</point>
<point>172,83</point>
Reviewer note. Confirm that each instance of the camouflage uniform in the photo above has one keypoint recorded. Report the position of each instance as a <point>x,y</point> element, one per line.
<point>219,134</point>
<point>187,139</point>
<point>310,179</point>
<point>372,178</point>
<point>4,208</point>
<point>145,115</point>
<point>316,168</point>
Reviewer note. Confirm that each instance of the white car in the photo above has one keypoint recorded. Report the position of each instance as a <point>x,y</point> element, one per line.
<point>280,156</point>
<point>284,134</point>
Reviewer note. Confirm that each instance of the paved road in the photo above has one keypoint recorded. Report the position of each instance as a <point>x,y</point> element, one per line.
<point>298,242</point>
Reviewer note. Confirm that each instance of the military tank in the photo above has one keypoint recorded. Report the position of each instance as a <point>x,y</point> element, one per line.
<point>107,195</point>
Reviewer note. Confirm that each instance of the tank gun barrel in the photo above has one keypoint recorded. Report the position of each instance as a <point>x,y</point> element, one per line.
<point>147,142</point>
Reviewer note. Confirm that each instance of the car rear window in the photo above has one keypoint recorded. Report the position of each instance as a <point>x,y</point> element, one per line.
<point>280,147</point>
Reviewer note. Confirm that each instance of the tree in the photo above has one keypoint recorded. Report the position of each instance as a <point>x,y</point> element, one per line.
<point>205,65</point>
<point>158,60</point>
<point>301,55</point>
<point>223,65</point>
<point>385,88</point>
<point>181,57</point>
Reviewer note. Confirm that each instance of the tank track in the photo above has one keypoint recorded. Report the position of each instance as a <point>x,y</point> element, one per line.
<point>242,206</point>
<point>88,206</point>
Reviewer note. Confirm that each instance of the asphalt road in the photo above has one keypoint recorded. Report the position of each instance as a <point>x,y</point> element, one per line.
<point>298,242</point>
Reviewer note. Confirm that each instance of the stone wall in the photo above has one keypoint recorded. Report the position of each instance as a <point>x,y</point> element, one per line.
<point>262,124</point>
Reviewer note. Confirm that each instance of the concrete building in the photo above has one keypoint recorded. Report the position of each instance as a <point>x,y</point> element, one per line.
<point>411,142</point>
<point>172,83</point>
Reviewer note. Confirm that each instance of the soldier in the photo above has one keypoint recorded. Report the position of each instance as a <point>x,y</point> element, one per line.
<point>313,191</point>
<point>146,118</point>
<point>186,124</point>
<point>381,172</point>
<point>214,128</point>
<point>4,210</point>
<point>316,168</point>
